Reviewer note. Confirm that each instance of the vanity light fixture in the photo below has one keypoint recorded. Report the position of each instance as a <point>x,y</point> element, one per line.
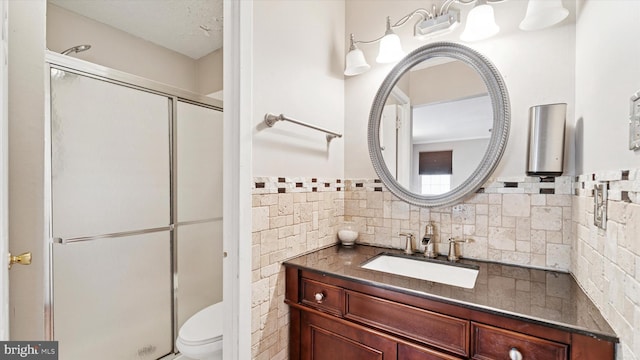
<point>542,14</point>
<point>356,63</point>
<point>390,46</point>
<point>431,23</point>
<point>481,24</point>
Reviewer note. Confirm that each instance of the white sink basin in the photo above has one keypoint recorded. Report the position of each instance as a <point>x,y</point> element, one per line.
<point>462,276</point>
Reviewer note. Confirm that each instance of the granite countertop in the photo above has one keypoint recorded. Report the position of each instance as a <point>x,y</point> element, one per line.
<point>529,294</point>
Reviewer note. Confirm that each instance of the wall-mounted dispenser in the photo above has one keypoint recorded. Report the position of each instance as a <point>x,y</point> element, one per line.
<point>545,154</point>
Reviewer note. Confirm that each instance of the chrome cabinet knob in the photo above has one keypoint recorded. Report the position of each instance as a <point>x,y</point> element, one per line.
<point>319,296</point>
<point>514,354</point>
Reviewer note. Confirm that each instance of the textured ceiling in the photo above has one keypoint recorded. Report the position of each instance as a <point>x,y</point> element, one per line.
<point>174,24</point>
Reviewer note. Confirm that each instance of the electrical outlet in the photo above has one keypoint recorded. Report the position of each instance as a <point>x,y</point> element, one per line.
<point>634,122</point>
<point>600,205</point>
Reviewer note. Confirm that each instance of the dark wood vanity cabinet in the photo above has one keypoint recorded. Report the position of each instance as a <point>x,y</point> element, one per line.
<point>335,318</point>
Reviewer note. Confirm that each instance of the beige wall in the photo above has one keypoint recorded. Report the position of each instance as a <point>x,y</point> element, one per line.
<point>298,63</point>
<point>116,49</point>
<point>209,70</point>
<point>607,262</point>
<point>445,82</point>
<point>26,166</point>
<point>607,74</point>
<point>297,70</point>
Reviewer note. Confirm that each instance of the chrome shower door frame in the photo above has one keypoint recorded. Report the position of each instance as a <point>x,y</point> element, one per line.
<point>68,64</point>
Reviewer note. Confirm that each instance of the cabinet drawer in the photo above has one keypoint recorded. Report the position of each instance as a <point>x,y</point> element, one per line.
<point>323,297</point>
<point>414,352</point>
<point>494,343</point>
<point>427,327</point>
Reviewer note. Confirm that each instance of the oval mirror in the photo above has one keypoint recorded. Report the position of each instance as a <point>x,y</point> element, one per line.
<point>438,125</point>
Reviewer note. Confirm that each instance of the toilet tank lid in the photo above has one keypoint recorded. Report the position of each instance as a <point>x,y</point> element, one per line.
<point>203,326</point>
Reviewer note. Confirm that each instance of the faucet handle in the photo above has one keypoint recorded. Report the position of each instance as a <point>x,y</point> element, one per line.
<point>453,256</point>
<point>409,246</point>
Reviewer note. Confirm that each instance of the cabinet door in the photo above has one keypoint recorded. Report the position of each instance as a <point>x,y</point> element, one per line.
<point>324,338</point>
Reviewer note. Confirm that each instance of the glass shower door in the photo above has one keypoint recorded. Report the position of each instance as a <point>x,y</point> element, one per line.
<point>112,290</point>
<point>198,149</point>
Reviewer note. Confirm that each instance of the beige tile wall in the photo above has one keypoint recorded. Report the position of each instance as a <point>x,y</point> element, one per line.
<point>289,219</point>
<point>294,216</point>
<point>525,227</point>
<point>606,262</point>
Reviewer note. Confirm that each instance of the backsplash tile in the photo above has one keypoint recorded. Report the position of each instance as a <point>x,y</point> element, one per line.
<point>606,263</point>
<point>290,217</point>
<point>526,225</point>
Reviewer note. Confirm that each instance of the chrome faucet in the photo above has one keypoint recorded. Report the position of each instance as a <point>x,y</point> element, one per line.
<point>427,241</point>
<point>409,246</point>
<point>453,254</point>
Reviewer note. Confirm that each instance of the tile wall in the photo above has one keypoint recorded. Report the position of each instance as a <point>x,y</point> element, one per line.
<point>606,262</point>
<point>529,223</point>
<point>290,217</point>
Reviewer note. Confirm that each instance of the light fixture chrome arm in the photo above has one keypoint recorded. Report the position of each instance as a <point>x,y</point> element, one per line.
<point>271,119</point>
<point>424,14</point>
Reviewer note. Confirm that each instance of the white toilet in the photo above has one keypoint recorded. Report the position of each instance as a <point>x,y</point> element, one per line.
<point>200,338</point>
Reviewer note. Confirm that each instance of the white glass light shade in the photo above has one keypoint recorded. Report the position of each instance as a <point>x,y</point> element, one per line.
<point>481,24</point>
<point>356,63</point>
<point>543,13</point>
<point>390,49</point>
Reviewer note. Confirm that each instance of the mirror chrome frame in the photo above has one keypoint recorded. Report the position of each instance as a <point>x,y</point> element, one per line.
<point>499,134</point>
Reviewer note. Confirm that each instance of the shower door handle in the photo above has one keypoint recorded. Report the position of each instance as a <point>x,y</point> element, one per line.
<point>22,259</point>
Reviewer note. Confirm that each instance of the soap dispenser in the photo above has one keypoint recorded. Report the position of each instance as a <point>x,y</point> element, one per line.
<point>429,242</point>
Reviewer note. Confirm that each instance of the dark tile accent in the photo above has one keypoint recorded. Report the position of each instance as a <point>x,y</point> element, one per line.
<point>281,179</point>
<point>480,191</point>
<point>298,184</point>
<point>547,191</point>
<point>547,179</point>
<point>327,184</point>
<point>282,190</point>
<point>377,189</point>
<point>259,185</point>
<point>359,184</point>
<point>592,191</point>
<point>576,179</point>
<point>593,177</point>
<point>582,185</point>
<point>377,181</point>
<point>315,189</point>
<point>625,174</point>
<point>338,181</point>
<point>314,180</point>
<point>576,192</point>
<point>509,184</point>
<point>625,196</point>
<point>338,189</point>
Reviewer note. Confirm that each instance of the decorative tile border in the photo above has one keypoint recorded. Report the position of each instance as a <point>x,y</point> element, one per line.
<point>561,185</point>
<point>622,185</point>
<point>280,185</point>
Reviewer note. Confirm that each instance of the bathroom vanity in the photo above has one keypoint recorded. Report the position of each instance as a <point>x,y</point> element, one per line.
<point>339,310</point>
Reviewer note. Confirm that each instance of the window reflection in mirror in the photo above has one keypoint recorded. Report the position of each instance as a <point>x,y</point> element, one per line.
<point>440,105</point>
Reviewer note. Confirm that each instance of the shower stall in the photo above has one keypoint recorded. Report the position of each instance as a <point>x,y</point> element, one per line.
<point>135,211</point>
